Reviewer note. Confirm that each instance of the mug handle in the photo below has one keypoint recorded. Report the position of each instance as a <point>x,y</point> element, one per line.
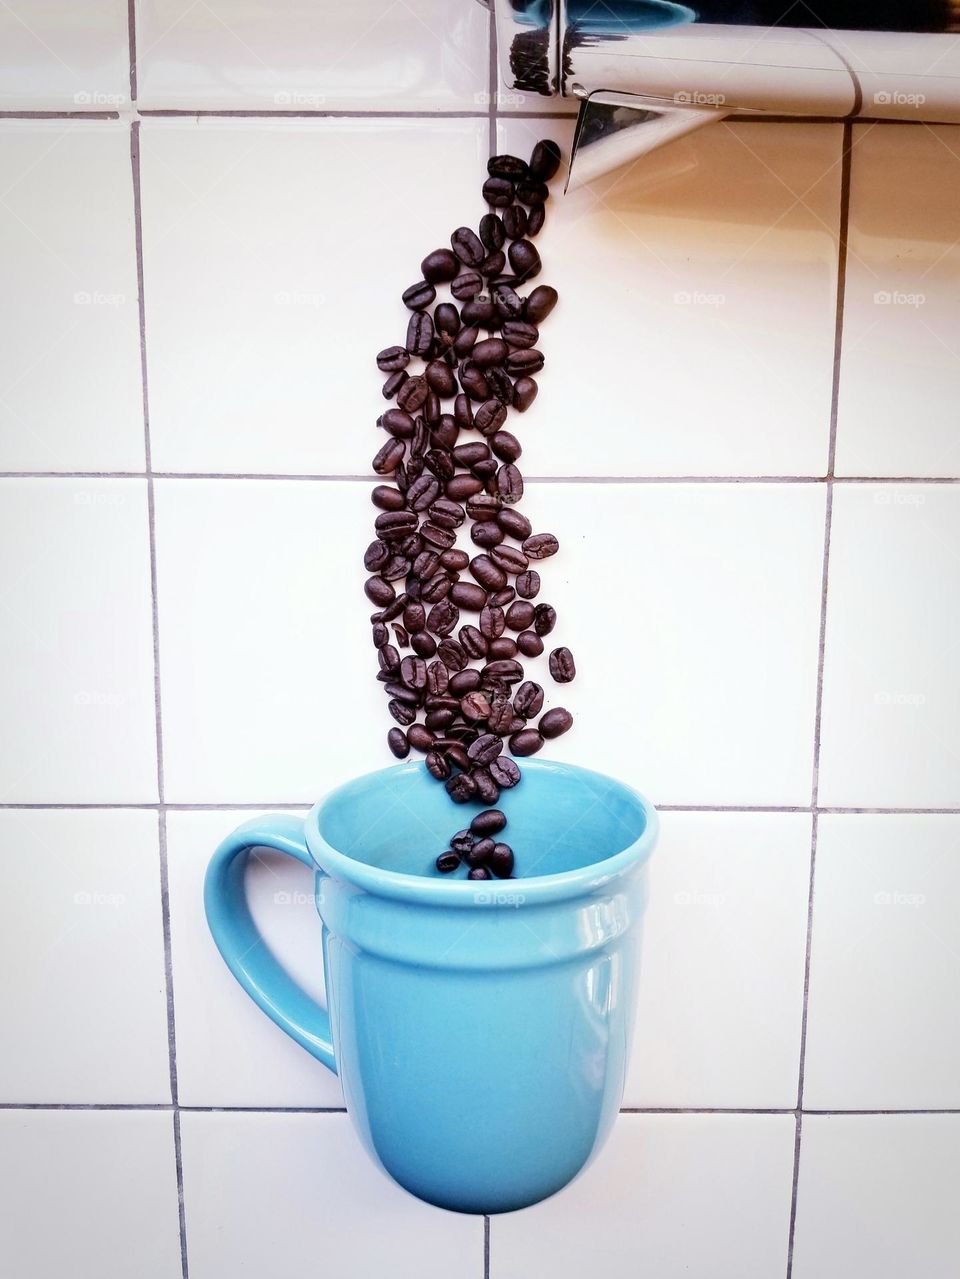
<point>245,952</point>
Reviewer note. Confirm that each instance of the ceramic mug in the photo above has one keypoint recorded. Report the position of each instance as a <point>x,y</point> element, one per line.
<point>480,1028</point>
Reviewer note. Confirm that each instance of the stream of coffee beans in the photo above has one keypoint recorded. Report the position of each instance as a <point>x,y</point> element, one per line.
<point>454,463</point>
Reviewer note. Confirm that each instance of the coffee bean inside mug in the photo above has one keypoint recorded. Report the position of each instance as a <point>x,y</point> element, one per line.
<point>450,564</point>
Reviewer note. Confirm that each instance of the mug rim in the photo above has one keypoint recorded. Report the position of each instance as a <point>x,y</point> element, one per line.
<point>425,890</point>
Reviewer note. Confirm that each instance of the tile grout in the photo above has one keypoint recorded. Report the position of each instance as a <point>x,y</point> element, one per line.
<point>348,113</point>
<point>837,810</point>
<point>349,478</point>
<point>169,1108</point>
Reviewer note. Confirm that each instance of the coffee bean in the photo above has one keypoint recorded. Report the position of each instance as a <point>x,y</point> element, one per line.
<point>423,645</point>
<point>468,454</point>
<point>509,484</point>
<point>422,492</point>
<point>446,321</point>
<point>393,384</point>
<point>392,610</point>
<point>409,696</point>
<point>492,621</point>
<point>461,788</point>
<point>485,749</point>
<point>443,618</point>
<point>413,394</point>
<point>387,498</point>
<point>413,672</point>
<point>479,872</point>
<point>466,286</point>
<point>439,266</point>
<point>438,679</point>
<point>398,424</point>
<point>524,259</point>
<point>520,334</point>
<point>504,772</point>
<point>490,351</point>
<point>489,417</point>
<point>463,412</point>
<point>447,862</point>
<point>466,595</point>
<point>562,666</point>
<point>389,457</point>
<point>440,378</point>
<point>527,742</point>
<point>508,303</point>
<point>440,463</point>
<point>498,192</point>
<point>435,588</point>
<point>493,264</point>
<point>418,297</point>
<point>540,546</point>
<point>505,446</point>
<point>490,576</point>
<point>545,619</point>
<point>507,166</point>
<point>378,591</point>
<point>420,738</point>
<point>545,160</point>
<point>483,506</point>
<point>524,360</point>
<point>392,358</point>
<point>532,192</point>
<point>491,231</point>
<point>520,615</point>
<point>397,741</point>
<point>454,560</point>
<point>480,851</point>
<point>395,525</point>
<point>438,767</point>
<point>388,657</point>
<point>529,643</point>
<point>540,303</point>
<point>528,699</point>
<point>509,671</point>
<point>515,221</point>
<point>528,584</point>
<point>475,708</point>
<point>514,523</point>
<point>501,861</point>
<point>379,634</point>
<point>501,648</point>
<point>480,311</point>
<point>536,216</point>
<point>473,641</point>
<point>396,567</point>
<point>402,713</point>
<point>436,536</point>
<point>452,655</point>
<point>463,486</point>
<point>474,383</point>
<point>486,534</point>
<point>524,393</point>
<point>467,246</point>
<point>431,406</point>
<point>446,513</point>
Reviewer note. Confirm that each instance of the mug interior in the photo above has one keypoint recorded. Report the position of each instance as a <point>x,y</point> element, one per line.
<point>559,818</point>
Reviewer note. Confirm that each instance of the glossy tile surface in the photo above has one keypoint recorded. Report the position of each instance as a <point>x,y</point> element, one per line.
<point>64,57</point>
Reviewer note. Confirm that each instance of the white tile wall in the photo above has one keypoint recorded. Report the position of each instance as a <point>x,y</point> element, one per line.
<point>686,448</point>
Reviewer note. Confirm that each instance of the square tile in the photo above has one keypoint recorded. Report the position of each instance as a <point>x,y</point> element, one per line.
<point>721,980</point>
<point>877,1196</point>
<point>421,55</point>
<point>76,647</point>
<point>900,370</point>
<point>885,964</point>
<point>692,611</point>
<point>269,688</point>
<point>697,1196</point>
<point>267,300</point>
<point>672,274</point>
<point>265,1192</point>
<point>80,921</point>
<point>890,735</point>
<point>91,1194</point>
<point>70,385</point>
<point>63,57</point>
<point>228,1052</point>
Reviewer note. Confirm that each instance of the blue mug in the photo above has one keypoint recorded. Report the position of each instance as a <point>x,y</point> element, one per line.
<point>480,1028</point>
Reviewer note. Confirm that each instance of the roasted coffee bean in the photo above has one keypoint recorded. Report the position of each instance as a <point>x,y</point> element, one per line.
<point>446,862</point>
<point>419,296</point>
<point>521,334</point>
<point>492,621</point>
<point>509,671</point>
<point>468,454</point>
<point>528,584</point>
<point>420,738</point>
<point>420,441</point>
<point>378,591</point>
<point>397,741</point>
<point>480,311</point>
<point>473,382</point>
<point>491,230</point>
<point>455,560</point>
<point>392,358</point>
<point>483,506</point>
<point>402,713</point>
<point>479,872</point>
<point>387,498</point>
<point>393,384</point>
<point>431,407</point>
<point>532,192</point>
<point>555,722</point>
<point>515,221</point>
<point>443,618</point>
<point>527,742</point>
<point>463,486</point>
<point>435,588</point>
<point>524,259</point>
<point>528,699</point>
<point>446,320</point>
<point>437,536</point>
<point>504,772</point>
<point>413,394</point>
<point>545,619</point>
<point>468,246</point>
<point>447,514</point>
<point>389,457</point>
<point>501,861</point>
<point>380,635</point>
<point>396,567</point>
<point>490,351</point>
<point>488,792</point>
<point>438,767</point>
<point>439,266</point>
<point>452,655</point>
<point>545,160</point>
<point>505,446</point>
<point>463,412</point>
<point>468,596</point>
<point>466,286</point>
<point>536,216</point>
<point>489,822</point>
<point>502,597</point>
<point>498,192</point>
<point>419,334</point>
<point>422,492</point>
<point>486,534</point>
<point>473,641</point>
<point>423,644</point>
<point>397,423</point>
<point>524,393</point>
<point>540,546</point>
<point>493,264</point>
<point>514,523</point>
<point>461,788</point>
<point>440,378</point>
<point>562,666</point>
<point>509,484</point>
<point>480,851</point>
<point>388,657</point>
<point>529,643</point>
<point>501,715</point>
<point>489,417</point>
<point>490,576</point>
<point>465,681</point>
<point>413,672</point>
<point>409,696</point>
<point>520,615</point>
<point>540,303</point>
<point>441,464</point>
<point>462,842</point>
<point>507,166</point>
<point>485,749</point>
<point>501,648</point>
<point>438,679</point>
<point>439,720</point>
<point>524,360</point>
<point>392,610</point>
<point>474,708</point>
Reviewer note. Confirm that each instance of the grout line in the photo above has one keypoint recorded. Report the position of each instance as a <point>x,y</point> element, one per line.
<point>132,49</point>
<point>181,1205</point>
<point>529,479</point>
<point>486,1247</point>
<point>492,83</point>
<point>241,805</point>
<point>706,1110</point>
<point>59,115</point>
<point>345,114</point>
<point>144,1107</point>
<point>264,113</point>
